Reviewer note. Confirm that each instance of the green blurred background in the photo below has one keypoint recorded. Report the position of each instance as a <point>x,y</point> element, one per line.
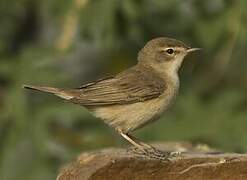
<point>68,43</point>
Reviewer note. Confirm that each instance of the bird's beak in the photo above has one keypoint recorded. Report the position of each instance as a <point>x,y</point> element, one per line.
<point>193,49</point>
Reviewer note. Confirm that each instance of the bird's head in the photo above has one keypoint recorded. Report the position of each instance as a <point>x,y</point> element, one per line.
<point>164,54</point>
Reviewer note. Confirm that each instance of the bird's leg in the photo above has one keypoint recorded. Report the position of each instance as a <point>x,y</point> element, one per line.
<point>145,145</point>
<point>133,142</point>
<point>146,149</point>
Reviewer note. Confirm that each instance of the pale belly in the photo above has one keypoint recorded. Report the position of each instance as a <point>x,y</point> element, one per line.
<point>133,116</point>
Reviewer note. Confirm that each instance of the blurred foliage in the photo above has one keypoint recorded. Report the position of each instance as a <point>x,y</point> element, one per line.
<point>67,43</point>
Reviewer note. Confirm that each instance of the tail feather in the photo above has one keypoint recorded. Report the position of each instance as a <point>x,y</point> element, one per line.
<point>56,91</point>
<point>42,88</point>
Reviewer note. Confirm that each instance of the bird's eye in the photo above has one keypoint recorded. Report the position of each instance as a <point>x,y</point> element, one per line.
<point>170,51</point>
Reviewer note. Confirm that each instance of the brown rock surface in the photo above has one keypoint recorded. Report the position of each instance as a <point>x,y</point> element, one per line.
<point>111,164</point>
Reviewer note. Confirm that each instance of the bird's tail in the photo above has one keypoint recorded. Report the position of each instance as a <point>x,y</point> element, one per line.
<point>65,94</point>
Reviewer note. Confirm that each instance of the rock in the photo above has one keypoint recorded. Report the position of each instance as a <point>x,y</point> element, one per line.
<point>119,164</point>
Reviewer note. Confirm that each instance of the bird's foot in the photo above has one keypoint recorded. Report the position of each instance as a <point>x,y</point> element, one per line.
<point>153,153</point>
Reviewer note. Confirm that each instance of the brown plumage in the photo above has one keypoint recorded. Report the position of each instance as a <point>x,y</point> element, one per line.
<point>135,96</point>
<point>144,85</point>
<point>120,90</point>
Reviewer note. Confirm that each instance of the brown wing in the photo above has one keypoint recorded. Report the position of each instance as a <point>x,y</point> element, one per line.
<point>133,85</point>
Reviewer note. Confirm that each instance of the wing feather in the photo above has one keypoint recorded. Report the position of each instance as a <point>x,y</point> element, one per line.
<point>133,85</point>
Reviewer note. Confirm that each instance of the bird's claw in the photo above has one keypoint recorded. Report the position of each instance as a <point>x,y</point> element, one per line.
<point>153,153</point>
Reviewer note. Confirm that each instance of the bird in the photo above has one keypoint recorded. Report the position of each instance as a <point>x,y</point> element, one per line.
<point>136,96</point>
